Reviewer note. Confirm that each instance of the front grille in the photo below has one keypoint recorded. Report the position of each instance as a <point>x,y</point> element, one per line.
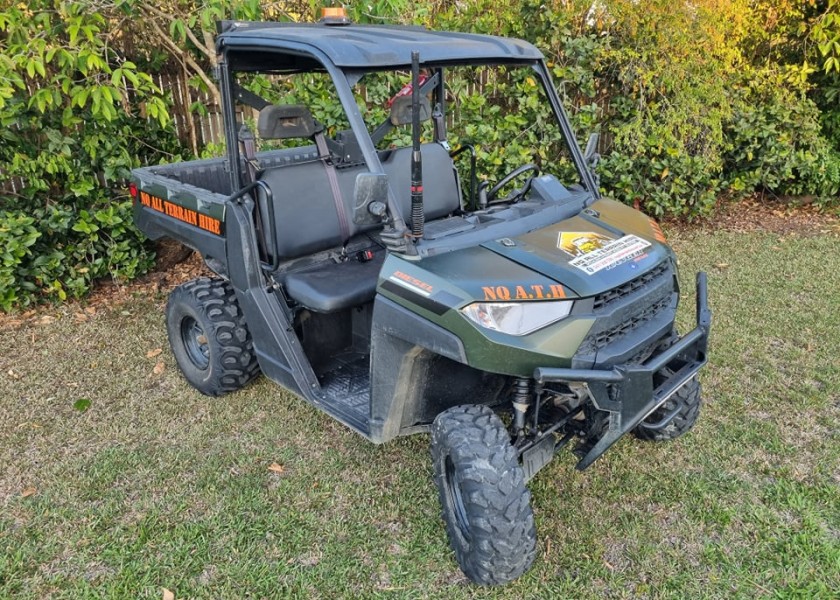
<point>622,310</point>
<point>605,338</point>
<point>610,296</point>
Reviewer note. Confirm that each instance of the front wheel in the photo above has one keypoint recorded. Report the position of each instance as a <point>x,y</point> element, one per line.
<point>486,506</point>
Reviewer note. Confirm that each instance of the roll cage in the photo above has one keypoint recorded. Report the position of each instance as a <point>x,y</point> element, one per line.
<point>264,50</point>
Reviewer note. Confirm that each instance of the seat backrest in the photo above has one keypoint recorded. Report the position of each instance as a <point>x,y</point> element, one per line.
<point>441,190</point>
<point>304,210</point>
<point>305,214</point>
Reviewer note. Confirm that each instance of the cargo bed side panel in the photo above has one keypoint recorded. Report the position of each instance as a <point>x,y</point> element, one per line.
<point>166,207</point>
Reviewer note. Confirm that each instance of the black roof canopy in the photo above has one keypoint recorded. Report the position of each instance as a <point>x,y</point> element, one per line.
<point>374,46</point>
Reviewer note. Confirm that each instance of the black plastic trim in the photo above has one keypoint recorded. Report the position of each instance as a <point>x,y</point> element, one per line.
<point>430,303</point>
<point>400,322</point>
<point>633,396</point>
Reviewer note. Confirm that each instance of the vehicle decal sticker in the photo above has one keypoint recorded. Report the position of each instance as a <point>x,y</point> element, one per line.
<point>611,255</point>
<point>534,291</point>
<point>657,231</point>
<point>412,283</point>
<point>438,303</point>
<point>578,243</point>
<point>186,215</point>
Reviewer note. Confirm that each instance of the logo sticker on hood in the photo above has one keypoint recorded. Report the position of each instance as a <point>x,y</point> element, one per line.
<point>611,254</point>
<point>578,243</point>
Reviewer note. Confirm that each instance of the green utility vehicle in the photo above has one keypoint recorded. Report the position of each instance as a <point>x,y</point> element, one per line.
<point>402,285</point>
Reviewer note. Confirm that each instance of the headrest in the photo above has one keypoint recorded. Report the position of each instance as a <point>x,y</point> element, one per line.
<point>280,122</point>
<point>401,110</point>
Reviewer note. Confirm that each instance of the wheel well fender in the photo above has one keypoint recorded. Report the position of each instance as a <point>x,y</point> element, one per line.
<point>419,370</point>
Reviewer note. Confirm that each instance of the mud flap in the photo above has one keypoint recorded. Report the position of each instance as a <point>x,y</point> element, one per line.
<point>538,456</point>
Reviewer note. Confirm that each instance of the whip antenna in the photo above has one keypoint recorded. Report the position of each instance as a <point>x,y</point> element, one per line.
<point>417,216</point>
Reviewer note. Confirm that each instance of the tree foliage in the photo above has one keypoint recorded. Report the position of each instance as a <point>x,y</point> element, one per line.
<point>77,114</point>
<point>826,34</point>
<point>695,101</point>
<point>675,89</point>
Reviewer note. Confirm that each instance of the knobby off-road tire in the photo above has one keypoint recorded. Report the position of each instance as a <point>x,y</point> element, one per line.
<point>209,337</point>
<point>686,401</point>
<point>486,506</point>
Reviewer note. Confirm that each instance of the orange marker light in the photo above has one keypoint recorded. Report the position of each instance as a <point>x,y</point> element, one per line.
<point>334,15</point>
<point>333,12</point>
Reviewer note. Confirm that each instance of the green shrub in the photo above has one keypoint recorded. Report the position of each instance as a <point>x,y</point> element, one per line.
<point>775,143</point>
<point>17,236</point>
<point>76,117</point>
<point>57,252</point>
<point>70,223</point>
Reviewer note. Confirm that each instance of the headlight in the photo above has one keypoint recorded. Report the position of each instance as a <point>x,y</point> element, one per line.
<point>516,318</point>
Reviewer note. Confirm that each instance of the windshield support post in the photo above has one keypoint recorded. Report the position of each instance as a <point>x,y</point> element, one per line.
<point>565,125</point>
<point>231,141</point>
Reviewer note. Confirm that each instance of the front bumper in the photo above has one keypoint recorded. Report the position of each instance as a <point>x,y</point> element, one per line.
<point>627,392</point>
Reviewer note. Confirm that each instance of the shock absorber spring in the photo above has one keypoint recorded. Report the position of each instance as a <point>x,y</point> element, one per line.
<point>521,403</point>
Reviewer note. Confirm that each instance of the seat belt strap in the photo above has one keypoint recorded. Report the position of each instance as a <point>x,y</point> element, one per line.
<point>248,147</point>
<point>440,127</point>
<point>249,151</point>
<point>332,176</point>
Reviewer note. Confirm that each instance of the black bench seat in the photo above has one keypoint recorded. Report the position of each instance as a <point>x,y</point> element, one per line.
<point>307,221</point>
<point>336,286</point>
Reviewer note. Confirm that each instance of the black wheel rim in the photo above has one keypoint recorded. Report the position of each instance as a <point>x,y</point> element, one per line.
<point>195,343</point>
<point>456,499</point>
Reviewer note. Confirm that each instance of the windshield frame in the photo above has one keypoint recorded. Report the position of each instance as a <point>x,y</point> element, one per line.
<point>354,75</point>
<point>345,78</point>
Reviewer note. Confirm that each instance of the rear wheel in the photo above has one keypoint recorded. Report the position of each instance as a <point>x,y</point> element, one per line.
<point>209,337</point>
<point>486,506</point>
<point>684,408</point>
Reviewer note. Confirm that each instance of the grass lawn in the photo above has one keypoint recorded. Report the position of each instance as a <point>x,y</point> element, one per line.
<point>155,486</point>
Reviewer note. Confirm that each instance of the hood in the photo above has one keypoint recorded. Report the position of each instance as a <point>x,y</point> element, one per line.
<point>591,252</point>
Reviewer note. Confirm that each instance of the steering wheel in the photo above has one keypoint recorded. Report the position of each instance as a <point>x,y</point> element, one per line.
<point>519,192</point>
